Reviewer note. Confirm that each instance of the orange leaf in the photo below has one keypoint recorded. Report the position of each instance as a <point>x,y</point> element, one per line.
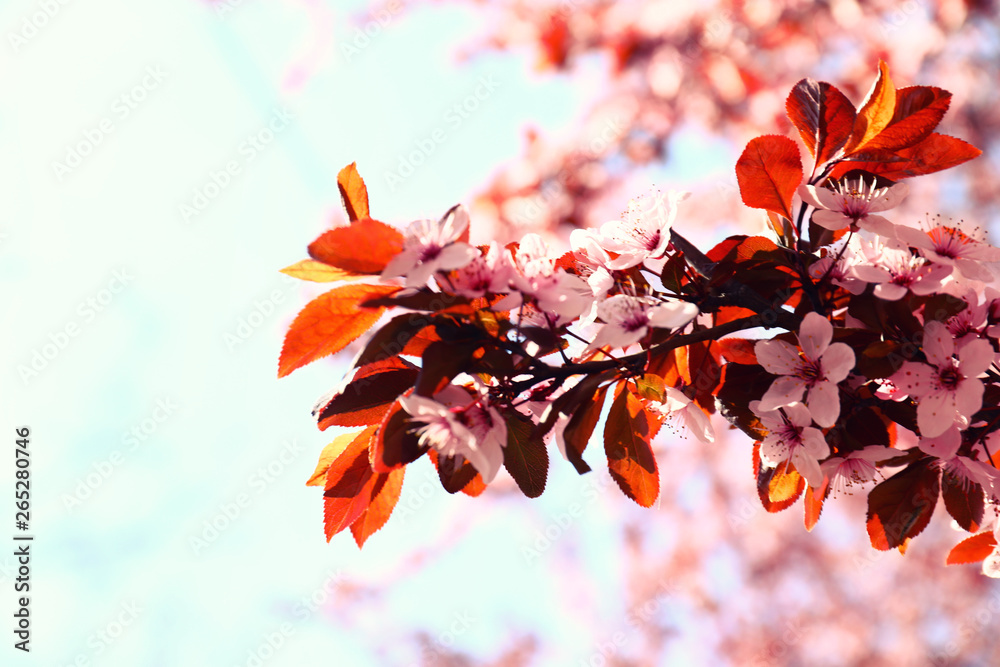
<point>778,488</point>
<point>626,443</point>
<point>328,324</point>
<point>813,506</point>
<point>738,350</point>
<point>350,482</point>
<point>918,111</point>
<point>380,509</point>
<point>768,172</point>
<point>972,549</point>
<point>364,246</point>
<point>823,116</point>
<point>328,456</point>
<point>317,272</point>
<point>353,192</point>
<point>876,111</point>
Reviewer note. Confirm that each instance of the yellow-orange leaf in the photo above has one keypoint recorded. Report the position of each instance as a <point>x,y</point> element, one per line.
<point>350,485</point>
<point>353,192</point>
<point>317,272</point>
<point>329,323</point>
<point>876,111</point>
<point>328,456</point>
<point>378,512</point>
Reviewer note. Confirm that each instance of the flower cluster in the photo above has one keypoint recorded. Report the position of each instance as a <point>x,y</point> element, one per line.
<point>857,347</point>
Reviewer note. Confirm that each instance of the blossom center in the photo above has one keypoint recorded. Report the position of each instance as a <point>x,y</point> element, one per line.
<point>949,378</point>
<point>430,252</point>
<point>810,371</point>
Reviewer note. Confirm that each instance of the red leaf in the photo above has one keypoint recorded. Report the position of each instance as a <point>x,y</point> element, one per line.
<point>738,350</point>
<point>901,506</point>
<point>964,500</point>
<point>973,549</point>
<point>350,483</point>
<point>364,246</point>
<point>580,428</point>
<point>380,509</point>
<point>626,443</point>
<point>366,399</point>
<point>876,112</point>
<point>935,153</point>
<point>918,111</point>
<point>353,192</point>
<point>823,116</point>
<point>456,477</point>
<point>328,324</point>
<point>394,444</point>
<point>768,172</point>
<point>525,457</point>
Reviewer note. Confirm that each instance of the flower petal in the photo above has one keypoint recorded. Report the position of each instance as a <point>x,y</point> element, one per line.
<point>936,413</point>
<point>832,220</point>
<point>838,362</point>
<point>785,390</point>
<point>975,357</point>
<point>777,356</point>
<point>815,335</point>
<point>938,343</point>
<point>824,403</point>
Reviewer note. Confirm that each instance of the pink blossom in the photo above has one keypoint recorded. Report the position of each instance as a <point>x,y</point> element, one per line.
<point>643,232</point>
<point>474,431</point>
<point>818,369</point>
<point>954,245</point>
<point>855,468</point>
<point>895,270</point>
<point>628,318</point>
<point>791,436</point>
<point>430,246</point>
<point>676,404</point>
<point>537,277</point>
<point>485,274</point>
<point>947,390</point>
<point>853,203</point>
